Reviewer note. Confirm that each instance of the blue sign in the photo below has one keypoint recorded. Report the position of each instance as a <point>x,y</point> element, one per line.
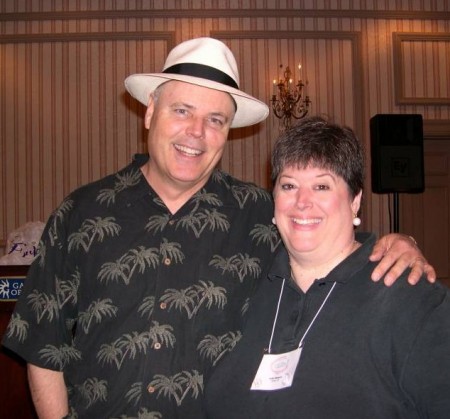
<point>10,288</point>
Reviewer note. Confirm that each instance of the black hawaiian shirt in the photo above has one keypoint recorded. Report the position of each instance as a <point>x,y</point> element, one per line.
<point>137,305</point>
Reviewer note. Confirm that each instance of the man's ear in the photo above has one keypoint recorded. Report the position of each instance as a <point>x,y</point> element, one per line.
<point>149,111</point>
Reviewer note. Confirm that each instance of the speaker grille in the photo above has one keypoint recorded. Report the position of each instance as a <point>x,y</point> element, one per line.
<point>397,153</point>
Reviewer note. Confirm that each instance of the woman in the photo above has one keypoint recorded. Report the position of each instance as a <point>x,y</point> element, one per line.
<point>322,340</point>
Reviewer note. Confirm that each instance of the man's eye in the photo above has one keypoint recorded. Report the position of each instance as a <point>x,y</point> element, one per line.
<point>181,111</point>
<point>216,121</point>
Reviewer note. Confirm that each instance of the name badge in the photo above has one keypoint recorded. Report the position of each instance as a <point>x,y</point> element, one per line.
<point>276,371</point>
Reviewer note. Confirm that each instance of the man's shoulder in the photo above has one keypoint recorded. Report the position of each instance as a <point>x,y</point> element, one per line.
<point>100,196</point>
<point>108,188</point>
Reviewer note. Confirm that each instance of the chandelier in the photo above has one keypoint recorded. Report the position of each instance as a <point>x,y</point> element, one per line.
<point>289,100</point>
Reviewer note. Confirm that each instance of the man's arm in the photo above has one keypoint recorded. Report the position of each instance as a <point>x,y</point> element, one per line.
<point>397,252</point>
<point>48,392</point>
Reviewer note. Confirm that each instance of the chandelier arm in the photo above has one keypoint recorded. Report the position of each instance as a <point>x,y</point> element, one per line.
<point>289,102</point>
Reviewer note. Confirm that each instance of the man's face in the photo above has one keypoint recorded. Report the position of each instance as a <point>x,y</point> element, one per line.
<point>188,128</point>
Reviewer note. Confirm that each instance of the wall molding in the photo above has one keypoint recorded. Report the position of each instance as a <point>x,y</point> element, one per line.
<point>222,13</point>
<point>436,129</point>
<point>169,37</point>
<point>400,67</point>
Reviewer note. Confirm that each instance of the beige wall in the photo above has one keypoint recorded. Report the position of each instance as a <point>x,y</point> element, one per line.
<point>65,118</point>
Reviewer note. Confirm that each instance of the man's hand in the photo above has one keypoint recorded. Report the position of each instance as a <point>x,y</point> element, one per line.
<point>397,252</point>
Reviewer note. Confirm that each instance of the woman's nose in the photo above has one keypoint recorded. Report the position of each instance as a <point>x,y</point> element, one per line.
<point>303,198</point>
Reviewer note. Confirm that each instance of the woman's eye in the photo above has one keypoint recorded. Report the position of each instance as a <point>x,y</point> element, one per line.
<point>287,186</point>
<point>322,187</point>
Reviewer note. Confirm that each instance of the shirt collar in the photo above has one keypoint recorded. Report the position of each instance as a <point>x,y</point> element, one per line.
<point>341,273</point>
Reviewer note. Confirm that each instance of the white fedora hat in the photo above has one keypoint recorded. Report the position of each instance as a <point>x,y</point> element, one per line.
<point>205,62</point>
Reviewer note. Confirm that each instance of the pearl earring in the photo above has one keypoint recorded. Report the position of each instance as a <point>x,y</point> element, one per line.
<point>356,220</point>
<point>274,221</point>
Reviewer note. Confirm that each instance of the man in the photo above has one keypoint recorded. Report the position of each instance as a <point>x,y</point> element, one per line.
<point>144,276</point>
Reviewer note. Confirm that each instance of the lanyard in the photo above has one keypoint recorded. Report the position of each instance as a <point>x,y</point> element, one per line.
<point>310,325</point>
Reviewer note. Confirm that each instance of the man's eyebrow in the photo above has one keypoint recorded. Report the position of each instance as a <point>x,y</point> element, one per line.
<point>184,104</point>
<point>221,114</point>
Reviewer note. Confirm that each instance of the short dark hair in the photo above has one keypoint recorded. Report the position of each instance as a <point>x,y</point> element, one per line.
<point>316,142</point>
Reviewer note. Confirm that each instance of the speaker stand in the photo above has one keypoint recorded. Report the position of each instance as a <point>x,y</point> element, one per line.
<point>396,213</point>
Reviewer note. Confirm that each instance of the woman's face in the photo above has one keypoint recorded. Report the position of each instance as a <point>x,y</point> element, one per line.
<point>314,212</point>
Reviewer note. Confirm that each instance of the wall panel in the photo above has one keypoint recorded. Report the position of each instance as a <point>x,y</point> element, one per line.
<point>65,117</point>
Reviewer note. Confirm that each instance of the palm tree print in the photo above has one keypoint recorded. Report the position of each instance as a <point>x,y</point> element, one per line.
<point>58,217</point>
<point>145,414</point>
<point>146,308</point>
<point>240,265</point>
<point>192,382</point>
<point>93,229</point>
<point>40,256</point>
<point>96,311</point>
<point>93,390</point>
<point>17,327</point>
<point>245,306</point>
<point>142,414</point>
<point>157,223</point>
<point>192,298</point>
<point>179,385</point>
<point>168,386</point>
<point>134,394</point>
<point>219,177</point>
<point>215,347</point>
<point>67,291</point>
<point>210,294</point>
<point>171,250</point>
<point>243,192</point>
<point>43,304</point>
<point>162,334</point>
<point>123,181</point>
<point>59,357</point>
<point>207,197</point>
<point>129,345</point>
<point>140,258</point>
<point>198,221</point>
<point>267,234</point>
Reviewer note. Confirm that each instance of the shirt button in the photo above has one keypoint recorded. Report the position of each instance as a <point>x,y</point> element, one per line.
<point>151,389</point>
<point>163,306</point>
<point>157,345</point>
<point>167,261</point>
<point>171,222</point>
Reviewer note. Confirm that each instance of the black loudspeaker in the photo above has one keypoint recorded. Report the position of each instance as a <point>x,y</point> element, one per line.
<point>397,153</point>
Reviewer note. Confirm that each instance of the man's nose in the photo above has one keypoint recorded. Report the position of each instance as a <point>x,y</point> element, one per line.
<point>196,127</point>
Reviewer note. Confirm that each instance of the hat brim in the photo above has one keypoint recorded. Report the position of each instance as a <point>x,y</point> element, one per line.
<point>249,110</point>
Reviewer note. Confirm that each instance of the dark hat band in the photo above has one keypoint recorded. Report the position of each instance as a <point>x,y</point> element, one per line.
<point>203,72</point>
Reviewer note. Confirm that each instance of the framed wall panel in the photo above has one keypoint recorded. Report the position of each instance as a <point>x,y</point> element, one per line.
<point>65,116</point>
<point>421,68</point>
